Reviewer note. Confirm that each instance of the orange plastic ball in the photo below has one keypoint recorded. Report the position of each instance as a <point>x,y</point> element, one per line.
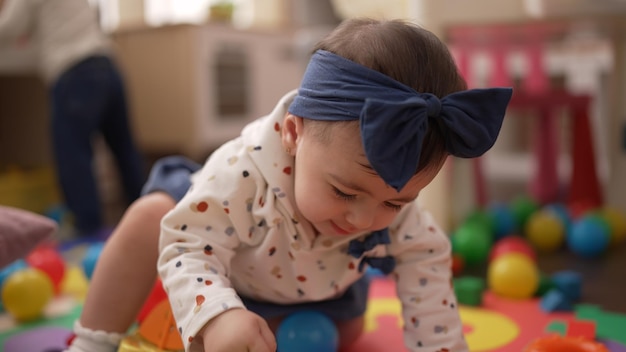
<point>557,343</point>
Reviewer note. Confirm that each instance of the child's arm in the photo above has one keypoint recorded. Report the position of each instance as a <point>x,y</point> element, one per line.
<point>199,238</point>
<point>194,265</point>
<point>423,279</point>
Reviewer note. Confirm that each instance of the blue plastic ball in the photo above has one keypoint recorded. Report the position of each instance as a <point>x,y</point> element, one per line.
<point>5,272</point>
<point>589,237</point>
<point>374,272</point>
<point>504,220</point>
<point>91,258</point>
<point>307,331</point>
<point>11,268</point>
<point>57,213</point>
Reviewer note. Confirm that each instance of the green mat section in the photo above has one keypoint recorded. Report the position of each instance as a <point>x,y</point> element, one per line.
<point>558,327</point>
<point>609,325</point>
<point>65,321</point>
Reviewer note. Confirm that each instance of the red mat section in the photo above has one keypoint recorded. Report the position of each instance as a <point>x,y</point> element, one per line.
<point>500,325</point>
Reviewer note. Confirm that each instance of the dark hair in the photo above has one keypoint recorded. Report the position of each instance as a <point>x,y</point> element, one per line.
<point>410,55</point>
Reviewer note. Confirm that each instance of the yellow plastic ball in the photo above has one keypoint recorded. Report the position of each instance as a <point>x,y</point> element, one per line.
<point>26,293</point>
<point>74,283</point>
<point>617,223</point>
<point>513,275</point>
<point>545,231</point>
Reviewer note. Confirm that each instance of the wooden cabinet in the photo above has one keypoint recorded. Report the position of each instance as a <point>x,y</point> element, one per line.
<point>194,87</point>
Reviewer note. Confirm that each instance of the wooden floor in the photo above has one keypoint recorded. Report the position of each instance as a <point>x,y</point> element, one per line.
<point>604,279</point>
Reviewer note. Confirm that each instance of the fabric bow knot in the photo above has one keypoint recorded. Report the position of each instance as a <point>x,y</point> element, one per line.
<point>394,117</point>
<point>384,264</point>
<point>357,248</point>
<point>393,131</point>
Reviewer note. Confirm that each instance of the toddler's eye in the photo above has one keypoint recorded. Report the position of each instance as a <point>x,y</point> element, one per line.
<point>342,195</point>
<point>394,207</point>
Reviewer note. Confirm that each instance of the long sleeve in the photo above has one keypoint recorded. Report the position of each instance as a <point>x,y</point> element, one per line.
<point>19,50</point>
<point>68,31</point>
<point>423,281</point>
<point>16,21</point>
<point>199,237</point>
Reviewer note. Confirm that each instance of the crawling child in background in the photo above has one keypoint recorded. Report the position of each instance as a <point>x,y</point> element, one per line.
<point>287,216</point>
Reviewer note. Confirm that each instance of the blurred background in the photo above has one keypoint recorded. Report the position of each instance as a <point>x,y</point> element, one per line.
<point>196,71</point>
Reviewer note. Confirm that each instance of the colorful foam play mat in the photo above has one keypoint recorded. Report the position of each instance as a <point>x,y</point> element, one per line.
<point>498,324</point>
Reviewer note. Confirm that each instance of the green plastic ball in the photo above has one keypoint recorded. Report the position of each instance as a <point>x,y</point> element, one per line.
<point>523,207</point>
<point>472,242</point>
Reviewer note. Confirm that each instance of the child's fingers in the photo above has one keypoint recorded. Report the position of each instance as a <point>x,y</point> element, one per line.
<point>268,337</point>
<point>261,345</point>
<point>264,341</point>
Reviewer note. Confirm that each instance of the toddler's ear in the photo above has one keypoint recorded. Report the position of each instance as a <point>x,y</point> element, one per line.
<point>20,232</point>
<point>291,130</point>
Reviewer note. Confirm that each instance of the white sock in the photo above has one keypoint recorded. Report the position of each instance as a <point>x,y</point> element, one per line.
<point>88,340</point>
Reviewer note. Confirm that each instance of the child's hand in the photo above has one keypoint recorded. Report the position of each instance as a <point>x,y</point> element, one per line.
<point>238,330</point>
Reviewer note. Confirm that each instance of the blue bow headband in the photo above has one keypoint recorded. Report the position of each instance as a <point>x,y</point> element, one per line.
<point>394,117</point>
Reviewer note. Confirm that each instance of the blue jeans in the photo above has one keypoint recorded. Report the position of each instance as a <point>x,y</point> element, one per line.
<point>89,99</point>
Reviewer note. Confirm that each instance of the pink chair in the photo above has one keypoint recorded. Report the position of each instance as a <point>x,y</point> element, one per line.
<point>536,96</point>
<point>584,186</point>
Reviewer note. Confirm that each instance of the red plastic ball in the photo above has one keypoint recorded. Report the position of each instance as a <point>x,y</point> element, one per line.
<point>48,260</point>
<point>457,264</point>
<point>512,244</point>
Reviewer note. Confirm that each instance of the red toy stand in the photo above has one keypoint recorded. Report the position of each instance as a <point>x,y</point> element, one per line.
<point>584,184</point>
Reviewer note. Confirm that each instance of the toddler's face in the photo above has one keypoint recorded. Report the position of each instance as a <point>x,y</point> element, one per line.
<point>338,192</point>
